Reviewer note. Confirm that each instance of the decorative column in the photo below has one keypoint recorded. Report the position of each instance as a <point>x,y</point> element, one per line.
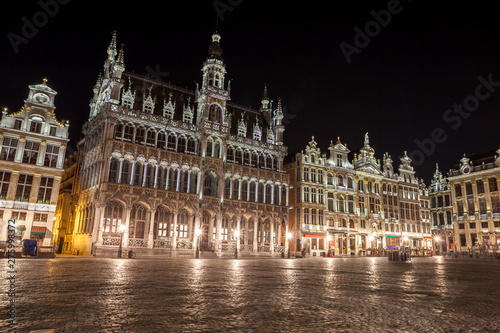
<point>174,230</point>
<point>255,233</point>
<point>120,171</point>
<point>271,240</point>
<point>287,241</point>
<point>41,153</point>
<point>217,236</point>
<point>238,226</point>
<point>188,182</point>
<point>151,229</point>
<point>127,228</point>
<point>20,150</point>
<point>156,175</point>
<point>337,245</point>
<point>132,170</point>
<point>60,157</point>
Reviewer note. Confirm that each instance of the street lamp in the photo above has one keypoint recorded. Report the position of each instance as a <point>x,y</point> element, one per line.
<point>438,240</point>
<point>122,229</point>
<point>289,237</point>
<point>237,236</point>
<point>328,239</point>
<point>198,233</point>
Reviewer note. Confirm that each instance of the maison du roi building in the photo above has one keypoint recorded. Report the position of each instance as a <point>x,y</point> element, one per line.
<point>32,149</point>
<point>470,219</point>
<point>356,208</point>
<point>164,162</point>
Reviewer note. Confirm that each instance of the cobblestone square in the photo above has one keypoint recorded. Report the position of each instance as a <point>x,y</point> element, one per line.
<point>254,295</point>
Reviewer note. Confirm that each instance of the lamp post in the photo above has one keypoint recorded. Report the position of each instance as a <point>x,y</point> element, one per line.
<point>328,239</point>
<point>198,233</point>
<point>122,229</point>
<point>236,238</point>
<point>438,240</point>
<point>289,237</point>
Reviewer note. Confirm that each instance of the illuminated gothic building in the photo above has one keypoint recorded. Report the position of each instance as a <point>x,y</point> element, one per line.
<point>32,147</point>
<point>476,204</point>
<point>357,206</point>
<point>164,162</point>
<point>441,212</point>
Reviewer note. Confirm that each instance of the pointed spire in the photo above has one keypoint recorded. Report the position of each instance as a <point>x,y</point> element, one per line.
<point>265,93</point>
<point>367,140</point>
<point>214,51</point>
<point>112,47</point>
<point>120,55</point>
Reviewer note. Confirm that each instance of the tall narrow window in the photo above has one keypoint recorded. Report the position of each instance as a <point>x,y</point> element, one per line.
<point>36,126</point>
<point>30,152</point>
<point>4,183</point>
<point>45,190</point>
<point>24,187</point>
<point>9,148</point>
<point>51,154</point>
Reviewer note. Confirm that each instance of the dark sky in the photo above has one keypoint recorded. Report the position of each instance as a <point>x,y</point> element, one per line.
<point>398,87</point>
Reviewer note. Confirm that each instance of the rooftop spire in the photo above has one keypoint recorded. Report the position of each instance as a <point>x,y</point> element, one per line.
<point>112,47</point>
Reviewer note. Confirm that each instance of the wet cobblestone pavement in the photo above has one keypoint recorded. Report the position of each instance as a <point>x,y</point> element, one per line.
<point>254,295</point>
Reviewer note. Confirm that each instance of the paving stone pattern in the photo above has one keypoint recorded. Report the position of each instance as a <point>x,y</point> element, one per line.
<point>254,295</point>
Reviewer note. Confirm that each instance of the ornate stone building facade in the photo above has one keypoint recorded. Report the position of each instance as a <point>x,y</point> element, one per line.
<point>358,206</point>
<point>441,212</point>
<point>164,161</point>
<point>32,147</point>
<point>476,204</point>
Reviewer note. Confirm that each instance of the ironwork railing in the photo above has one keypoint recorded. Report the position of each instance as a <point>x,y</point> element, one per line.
<point>185,245</point>
<point>115,241</point>
<point>162,244</point>
<point>137,242</point>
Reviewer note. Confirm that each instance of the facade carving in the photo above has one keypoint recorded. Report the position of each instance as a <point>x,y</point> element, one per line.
<point>476,204</point>
<point>164,161</point>
<point>355,206</point>
<point>32,148</point>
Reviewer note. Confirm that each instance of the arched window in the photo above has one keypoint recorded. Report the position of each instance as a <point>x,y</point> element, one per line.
<point>341,204</point>
<point>161,141</point>
<point>113,170</point>
<point>210,185</point>
<point>183,224</point>
<point>251,190</point>
<point>162,184</point>
<point>330,179</point>
<point>230,154</point>
<point>128,134</point>
<point>344,223</point>
<point>269,162</point>
<point>255,159</point>
<point>215,114</point>
<point>268,193</point>
<point>126,172</point>
<point>236,183</point>
<point>350,183</point>
<point>351,224</point>
<point>118,131</point>
<point>191,146</point>
<point>261,193</point>
<point>172,179</point>
<point>172,141</point>
<point>163,219</point>
<point>137,222</point>
<point>181,147</point>
<point>244,190</point>
<point>140,134</point>
<point>193,184</point>
<point>217,149</point>
<point>150,175</point>
<point>227,188</point>
<point>238,156</point>
<point>246,157</point>
<point>150,138</point>
<point>210,147</point>
<point>138,173</point>
<point>113,215</point>
<point>340,181</point>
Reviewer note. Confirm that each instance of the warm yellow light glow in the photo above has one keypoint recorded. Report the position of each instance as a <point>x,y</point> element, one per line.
<point>122,228</point>
<point>437,239</point>
<point>405,238</point>
<point>198,232</point>
<point>237,233</point>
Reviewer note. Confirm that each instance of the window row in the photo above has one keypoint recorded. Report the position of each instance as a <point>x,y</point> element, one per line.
<point>253,159</point>
<point>35,126</point>
<point>253,191</point>
<point>30,152</point>
<point>161,140</point>
<point>24,187</point>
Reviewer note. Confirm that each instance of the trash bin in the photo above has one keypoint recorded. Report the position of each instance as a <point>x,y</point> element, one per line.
<point>130,254</point>
<point>282,254</point>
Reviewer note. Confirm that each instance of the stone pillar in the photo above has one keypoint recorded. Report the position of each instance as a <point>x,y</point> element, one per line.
<point>20,150</point>
<point>287,241</point>
<point>174,230</point>
<point>271,238</point>
<point>211,229</point>
<point>60,157</point>
<point>157,166</point>
<point>167,180</point>
<point>120,171</point>
<point>132,171</point>
<point>188,182</point>
<point>255,233</point>
<point>41,153</point>
<point>151,229</point>
<point>238,227</point>
<point>11,191</point>
<point>127,228</point>
<point>217,236</point>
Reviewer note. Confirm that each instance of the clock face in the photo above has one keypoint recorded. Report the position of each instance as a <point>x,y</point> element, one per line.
<point>466,170</point>
<point>41,98</point>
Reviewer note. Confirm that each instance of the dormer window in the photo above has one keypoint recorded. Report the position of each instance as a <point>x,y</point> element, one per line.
<point>17,124</point>
<point>36,126</point>
<point>52,130</point>
<point>339,160</point>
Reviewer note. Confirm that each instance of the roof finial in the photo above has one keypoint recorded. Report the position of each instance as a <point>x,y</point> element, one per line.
<point>44,80</point>
<point>367,140</point>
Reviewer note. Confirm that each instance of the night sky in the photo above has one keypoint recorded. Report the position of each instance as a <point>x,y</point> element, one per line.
<point>397,86</point>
